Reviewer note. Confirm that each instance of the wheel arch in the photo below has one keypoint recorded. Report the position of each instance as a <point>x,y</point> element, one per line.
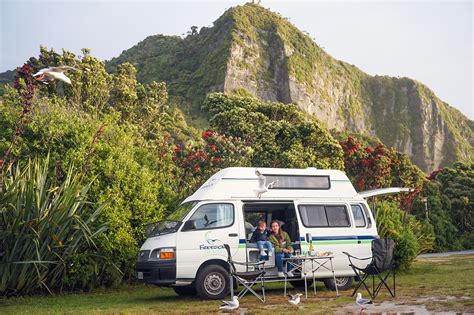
<point>214,261</point>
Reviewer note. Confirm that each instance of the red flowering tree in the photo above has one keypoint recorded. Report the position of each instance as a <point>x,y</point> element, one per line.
<point>368,166</point>
<point>371,167</point>
<point>198,160</point>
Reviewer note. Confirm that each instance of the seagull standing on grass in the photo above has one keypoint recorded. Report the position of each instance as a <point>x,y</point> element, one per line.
<point>262,184</point>
<point>363,303</point>
<point>50,74</point>
<point>294,299</point>
<point>230,305</point>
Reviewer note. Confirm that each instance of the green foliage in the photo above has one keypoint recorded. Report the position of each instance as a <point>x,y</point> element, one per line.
<point>439,209</point>
<point>411,236</point>
<point>199,160</point>
<point>279,134</point>
<point>377,166</point>
<point>45,219</point>
<point>457,185</point>
<point>128,149</point>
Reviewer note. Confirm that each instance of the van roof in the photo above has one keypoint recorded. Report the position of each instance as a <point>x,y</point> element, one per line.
<point>242,183</point>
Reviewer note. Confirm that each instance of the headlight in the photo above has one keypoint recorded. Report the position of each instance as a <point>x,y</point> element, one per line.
<point>164,253</point>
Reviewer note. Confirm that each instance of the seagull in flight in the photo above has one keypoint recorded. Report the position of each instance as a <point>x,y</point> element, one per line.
<point>230,305</point>
<point>363,303</point>
<point>50,74</point>
<point>294,299</point>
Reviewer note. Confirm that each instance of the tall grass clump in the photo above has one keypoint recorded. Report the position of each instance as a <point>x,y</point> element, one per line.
<point>45,219</point>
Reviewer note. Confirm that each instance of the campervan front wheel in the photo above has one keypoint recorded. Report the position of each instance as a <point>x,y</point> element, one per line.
<point>343,283</point>
<point>212,283</point>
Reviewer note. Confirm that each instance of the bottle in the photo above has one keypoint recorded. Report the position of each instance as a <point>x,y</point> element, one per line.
<point>311,248</point>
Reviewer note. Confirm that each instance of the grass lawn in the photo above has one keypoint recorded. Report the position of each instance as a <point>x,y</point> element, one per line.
<point>433,284</point>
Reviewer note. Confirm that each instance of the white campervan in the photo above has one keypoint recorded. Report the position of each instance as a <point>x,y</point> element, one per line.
<point>186,251</point>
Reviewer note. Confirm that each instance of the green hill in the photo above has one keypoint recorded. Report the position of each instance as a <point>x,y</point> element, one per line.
<point>252,49</point>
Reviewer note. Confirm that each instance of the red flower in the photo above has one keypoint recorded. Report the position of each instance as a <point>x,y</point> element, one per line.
<point>207,134</point>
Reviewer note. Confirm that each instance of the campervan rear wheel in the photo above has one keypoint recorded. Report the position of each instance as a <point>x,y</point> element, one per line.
<point>212,283</point>
<point>343,283</point>
<point>188,290</point>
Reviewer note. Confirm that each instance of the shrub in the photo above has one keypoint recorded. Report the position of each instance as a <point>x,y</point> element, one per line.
<point>44,221</point>
<point>411,236</point>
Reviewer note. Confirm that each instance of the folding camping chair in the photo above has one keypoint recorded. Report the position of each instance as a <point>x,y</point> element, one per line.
<point>247,278</point>
<point>382,260</point>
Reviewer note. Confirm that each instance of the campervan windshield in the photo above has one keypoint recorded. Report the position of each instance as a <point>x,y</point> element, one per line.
<point>173,222</point>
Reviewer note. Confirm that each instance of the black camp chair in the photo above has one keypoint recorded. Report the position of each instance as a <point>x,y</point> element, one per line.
<point>382,260</point>
<point>247,278</point>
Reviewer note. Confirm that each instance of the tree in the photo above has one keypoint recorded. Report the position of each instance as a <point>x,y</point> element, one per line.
<point>376,166</point>
<point>123,95</point>
<point>457,184</point>
<point>197,160</point>
<point>439,208</point>
<point>279,134</point>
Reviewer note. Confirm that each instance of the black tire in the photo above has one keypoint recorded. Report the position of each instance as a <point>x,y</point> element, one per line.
<point>189,290</point>
<point>212,283</point>
<point>343,283</point>
<point>299,284</point>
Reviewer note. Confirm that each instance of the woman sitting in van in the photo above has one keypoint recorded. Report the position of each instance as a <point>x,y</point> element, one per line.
<point>283,249</point>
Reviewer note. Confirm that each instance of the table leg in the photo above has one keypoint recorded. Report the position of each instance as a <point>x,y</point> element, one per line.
<point>285,264</point>
<point>334,277</point>
<point>314,279</point>
<point>305,285</point>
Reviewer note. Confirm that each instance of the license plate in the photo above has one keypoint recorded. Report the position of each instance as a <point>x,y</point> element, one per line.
<point>140,275</point>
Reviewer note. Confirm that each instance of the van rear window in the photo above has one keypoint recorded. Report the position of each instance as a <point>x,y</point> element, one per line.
<point>324,215</point>
<point>298,181</point>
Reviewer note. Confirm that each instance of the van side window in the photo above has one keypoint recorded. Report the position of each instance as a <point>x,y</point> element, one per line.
<point>324,215</point>
<point>358,214</point>
<point>214,215</point>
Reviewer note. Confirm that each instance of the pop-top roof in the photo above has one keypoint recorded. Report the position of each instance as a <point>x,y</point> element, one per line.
<point>243,183</point>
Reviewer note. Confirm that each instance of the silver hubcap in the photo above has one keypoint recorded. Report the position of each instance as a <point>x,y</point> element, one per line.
<point>341,281</point>
<point>214,283</point>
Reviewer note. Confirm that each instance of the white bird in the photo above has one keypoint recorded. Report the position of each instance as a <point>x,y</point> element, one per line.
<point>363,303</point>
<point>230,305</point>
<point>294,299</point>
<point>50,74</point>
<point>262,184</point>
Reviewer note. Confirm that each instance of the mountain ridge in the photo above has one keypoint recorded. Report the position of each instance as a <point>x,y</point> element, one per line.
<point>253,49</point>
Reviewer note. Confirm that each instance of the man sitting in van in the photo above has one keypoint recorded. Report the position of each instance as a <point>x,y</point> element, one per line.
<point>260,236</point>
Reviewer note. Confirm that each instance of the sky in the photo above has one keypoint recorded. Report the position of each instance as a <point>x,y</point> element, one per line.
<point>430,41</point>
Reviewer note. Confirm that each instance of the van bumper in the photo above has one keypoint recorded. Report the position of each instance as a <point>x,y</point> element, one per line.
<point>161,273</point>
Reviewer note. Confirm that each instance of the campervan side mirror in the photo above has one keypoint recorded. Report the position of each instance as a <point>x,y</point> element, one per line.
<point>189,225</point>
<point>309,237</point>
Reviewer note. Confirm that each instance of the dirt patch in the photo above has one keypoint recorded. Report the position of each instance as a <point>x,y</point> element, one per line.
<point>404,307</point>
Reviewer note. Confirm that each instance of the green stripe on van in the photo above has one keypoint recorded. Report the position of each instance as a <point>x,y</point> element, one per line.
<point>338,242</point>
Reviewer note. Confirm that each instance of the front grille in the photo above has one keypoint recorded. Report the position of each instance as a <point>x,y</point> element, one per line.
<point>143,255</point>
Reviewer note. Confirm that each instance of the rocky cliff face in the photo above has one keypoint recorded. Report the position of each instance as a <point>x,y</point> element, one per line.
<point>257,50</point>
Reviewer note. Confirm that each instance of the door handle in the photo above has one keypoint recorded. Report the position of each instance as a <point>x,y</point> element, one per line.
<point>233,235</point>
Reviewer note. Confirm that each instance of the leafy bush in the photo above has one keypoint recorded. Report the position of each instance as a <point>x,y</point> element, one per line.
<point>279,134</point>
<point>196,161</point>
<point>44,221</point>
<point>457,185</point>
<point>411,236</point>
<point>439,208</point>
